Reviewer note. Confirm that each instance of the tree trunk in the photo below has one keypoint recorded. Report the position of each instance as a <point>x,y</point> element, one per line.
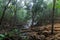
<point>53,10</point>
<point>4,11</point>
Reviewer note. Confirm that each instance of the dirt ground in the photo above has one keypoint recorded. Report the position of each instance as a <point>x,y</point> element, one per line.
<point>44,32</point>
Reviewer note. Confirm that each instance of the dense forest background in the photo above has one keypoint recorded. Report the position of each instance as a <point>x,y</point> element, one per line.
<point>23,14</point>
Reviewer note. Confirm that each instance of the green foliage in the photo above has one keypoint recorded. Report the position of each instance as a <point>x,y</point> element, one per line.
<point>2,36</point>
<point>41,10</point>
<point>21,14</point>
<point>57,3</point>
<point>12,34</point>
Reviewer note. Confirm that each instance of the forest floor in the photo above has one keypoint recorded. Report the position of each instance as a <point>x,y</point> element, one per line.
<point>41,32</point>
<point>44,32</point>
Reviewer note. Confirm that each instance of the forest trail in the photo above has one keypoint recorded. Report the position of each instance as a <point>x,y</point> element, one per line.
<point>56,27</point>
<point>44,30</point>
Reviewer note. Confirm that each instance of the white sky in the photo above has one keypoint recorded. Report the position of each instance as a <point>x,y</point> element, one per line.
<point>47,1</point>
<point>18,0</point>
<point>44,0</point>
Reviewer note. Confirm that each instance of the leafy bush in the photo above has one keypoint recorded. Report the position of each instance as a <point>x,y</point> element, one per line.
<point>13,33</point>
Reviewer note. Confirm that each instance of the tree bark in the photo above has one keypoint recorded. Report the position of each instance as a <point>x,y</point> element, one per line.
<point>4,11</point>
<point>53,10</point>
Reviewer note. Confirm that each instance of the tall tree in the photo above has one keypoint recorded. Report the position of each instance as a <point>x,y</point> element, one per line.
<point>38,7</point>
<point>4,11</point>
<point>53,11</point>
